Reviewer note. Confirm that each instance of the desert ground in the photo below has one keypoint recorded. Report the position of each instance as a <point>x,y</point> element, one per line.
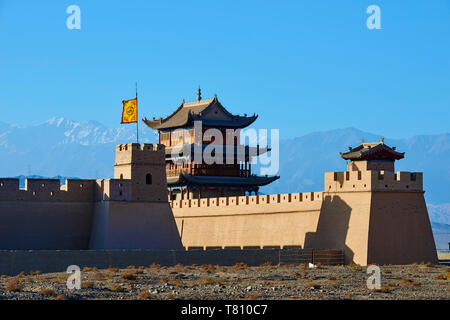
<point>418,281</point>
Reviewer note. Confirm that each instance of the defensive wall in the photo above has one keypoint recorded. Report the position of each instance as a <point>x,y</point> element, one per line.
<point>91,214</point>
<point>373,216</point>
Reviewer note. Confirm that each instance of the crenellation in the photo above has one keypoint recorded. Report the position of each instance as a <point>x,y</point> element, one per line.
<point>247,200</point>
<point>47,190</point>
<point>113,190</point>
<point>372,181</point>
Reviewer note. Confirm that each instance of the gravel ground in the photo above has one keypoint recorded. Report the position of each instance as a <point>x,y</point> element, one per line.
<point>236,282</point>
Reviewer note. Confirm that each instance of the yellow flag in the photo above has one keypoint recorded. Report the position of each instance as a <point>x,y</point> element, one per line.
<point>129,113</point>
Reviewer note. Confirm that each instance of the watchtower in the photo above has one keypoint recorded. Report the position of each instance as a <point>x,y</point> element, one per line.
<point>144,165</point>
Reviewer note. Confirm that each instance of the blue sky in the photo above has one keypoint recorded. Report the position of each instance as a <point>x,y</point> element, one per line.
<point>303,66</point>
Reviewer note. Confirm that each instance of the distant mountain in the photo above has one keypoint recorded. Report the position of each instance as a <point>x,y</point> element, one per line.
<point>61,147</point>
<point>303,160</point>
<point>441,233</point>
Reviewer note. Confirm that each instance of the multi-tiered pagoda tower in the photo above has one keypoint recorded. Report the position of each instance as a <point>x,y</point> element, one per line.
<point>189,178</point>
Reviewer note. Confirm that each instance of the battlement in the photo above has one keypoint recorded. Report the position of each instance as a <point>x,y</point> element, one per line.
<point>140,154</point>
<point>248,200</point>
<point>74,190</point>
<point>137,146</point>
<point>113,190</point>
<point>372,180</point>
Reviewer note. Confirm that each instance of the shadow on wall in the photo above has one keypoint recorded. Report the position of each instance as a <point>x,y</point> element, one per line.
<point>332,227</point>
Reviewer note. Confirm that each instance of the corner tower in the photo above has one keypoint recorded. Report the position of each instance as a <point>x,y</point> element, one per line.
<point>145,167</point>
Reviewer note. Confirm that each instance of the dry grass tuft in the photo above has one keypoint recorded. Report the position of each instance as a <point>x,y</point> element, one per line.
<point>239,266</point>
<point>62,277</point>
<point>13,285</point>
<point>129,275</point>
<point>114,287</point>
<point>391,284</point>
<point>145,295</point>
<point>98,276</point>
<point>382,290</point>
<point>61,297</point>
<point>410,283</point>
<point>87,284</point>
<point>47,292</point>
<point>266,264</point>
<point>206,281</point>
<point>155,266</point>
<point>443,276</point>
<point>207,268</point>
<point>313,285</point>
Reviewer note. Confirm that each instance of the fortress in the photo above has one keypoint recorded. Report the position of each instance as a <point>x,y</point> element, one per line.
<point>374,216</point>
<point>371,213</point>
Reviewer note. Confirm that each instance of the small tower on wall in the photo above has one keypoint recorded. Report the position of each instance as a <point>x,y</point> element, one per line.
<point>372,156</point>
<point>144,165</point>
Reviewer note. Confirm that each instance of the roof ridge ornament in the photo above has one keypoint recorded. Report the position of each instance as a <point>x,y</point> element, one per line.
<point>382,140</point>
<point>199,96</point>
<point>362,141</point>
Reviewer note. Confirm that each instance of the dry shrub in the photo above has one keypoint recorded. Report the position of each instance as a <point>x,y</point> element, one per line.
<point>170,296</point>
<point>252,297</point>
<point>411,283</point>
<point>61,297</point>
<point>114,287</point>
<point>98,276</point>
<point>131,267</point>
<point>62,277</point>
<point>266,264</point>
<point>47,292</point>
<point>314,285</point>
<point>355,267</point>
<point>240,266</point>
<point>155,266</point>
<point>112,270</point>
<point>130,275</point>
<point>381,290</point>
<point>87,284</point>
<point>145,295</point>
<point>86,269</point>
<point>35,272</point>
<point>177,283</point>
<point>222,269</point>
<point>443,276</point>
<point>207,268</point>
<point>13,285</point>
<point>332,278</point>
<point>177,268</point>
<point>206,281</point>
<point>391,284</point>
<point>4,276</point>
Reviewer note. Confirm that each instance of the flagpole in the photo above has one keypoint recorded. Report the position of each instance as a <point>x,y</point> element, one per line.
<point>137,118</point>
